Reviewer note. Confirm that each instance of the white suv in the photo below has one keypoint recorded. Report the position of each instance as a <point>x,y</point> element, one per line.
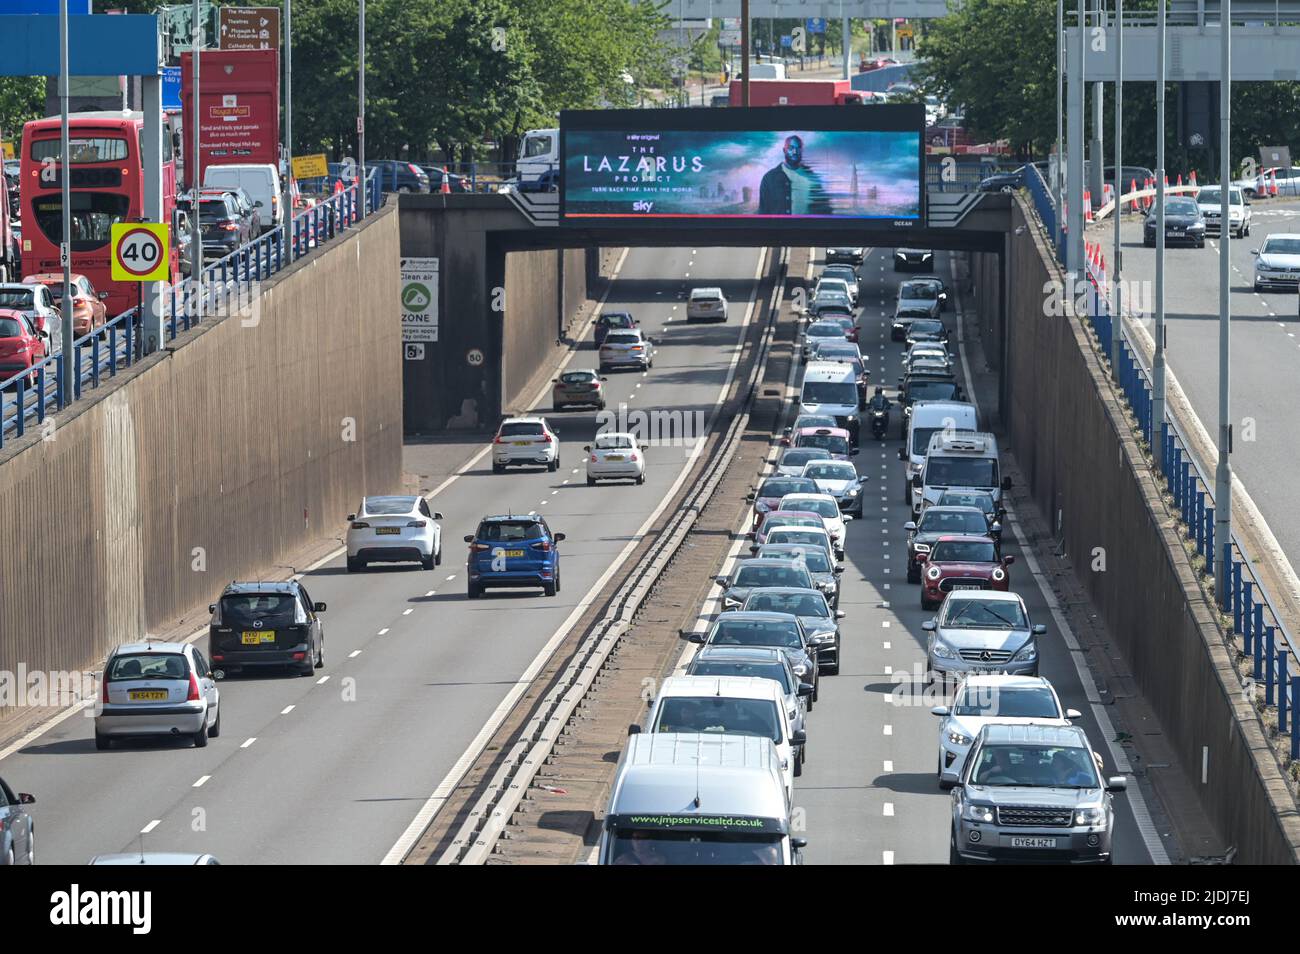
<point>706,304</point>
<point>394,530</point>
<point>525,440</point>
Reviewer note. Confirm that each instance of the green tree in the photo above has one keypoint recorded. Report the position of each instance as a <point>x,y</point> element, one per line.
<point>21,98</point>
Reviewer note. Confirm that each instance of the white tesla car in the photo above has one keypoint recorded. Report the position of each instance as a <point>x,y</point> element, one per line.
<point>394,530</point>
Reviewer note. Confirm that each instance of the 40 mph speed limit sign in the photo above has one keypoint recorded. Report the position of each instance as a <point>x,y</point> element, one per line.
<point>140,252</point>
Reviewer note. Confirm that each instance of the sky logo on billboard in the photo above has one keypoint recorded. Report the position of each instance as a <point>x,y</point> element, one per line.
<point>642,206</point>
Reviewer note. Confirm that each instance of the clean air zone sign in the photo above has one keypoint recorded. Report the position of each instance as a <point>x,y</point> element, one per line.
<point>419,299</point>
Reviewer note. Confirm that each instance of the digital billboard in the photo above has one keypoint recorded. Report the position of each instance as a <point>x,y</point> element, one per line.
<point>819,166</point>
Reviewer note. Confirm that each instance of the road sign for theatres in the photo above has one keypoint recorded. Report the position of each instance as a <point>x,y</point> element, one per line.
<point>249,28</point>
<point>140,252</point>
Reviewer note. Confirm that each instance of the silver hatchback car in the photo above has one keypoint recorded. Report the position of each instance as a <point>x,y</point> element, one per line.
<point>627,348</point>
<point>157,689</point>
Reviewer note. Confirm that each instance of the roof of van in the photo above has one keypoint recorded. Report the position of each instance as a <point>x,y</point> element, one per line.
<point>834,370</point>
<point>973,443</point>
<point>922,408</point>
<point>725,687</point>
<point>663,772</point>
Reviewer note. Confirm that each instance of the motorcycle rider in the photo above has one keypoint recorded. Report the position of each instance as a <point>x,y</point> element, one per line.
<point>879,407</point>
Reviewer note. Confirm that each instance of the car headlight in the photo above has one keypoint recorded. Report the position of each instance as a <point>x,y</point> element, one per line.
<point>942,651</point>
<point>1195,225</point>
<point>924,256</point>
<point>956,738</point>
<point>933,573</point>
<point>999,574</point>
<point>1089,816</point>
<point>800,670</point>
<point>826,637</point>
<point>1027,652</point>
<point>923,548</point>
<point>979,813</point>
<point>852,491</point>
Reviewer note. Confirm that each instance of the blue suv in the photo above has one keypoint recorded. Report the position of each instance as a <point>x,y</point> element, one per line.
<point>514,551</point>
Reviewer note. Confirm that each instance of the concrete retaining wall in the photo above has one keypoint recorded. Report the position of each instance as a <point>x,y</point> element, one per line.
<point>1081,461</point>
<point>545,290</point>
<point>248,440</point>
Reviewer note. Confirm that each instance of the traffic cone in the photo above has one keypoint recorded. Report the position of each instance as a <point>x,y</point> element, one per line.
<point>338,186</point>
<point>1272,183</point>
<point>1192,181</point>
<point>446,182</point>
<point>1087,206</point>
<point>1133,201</point>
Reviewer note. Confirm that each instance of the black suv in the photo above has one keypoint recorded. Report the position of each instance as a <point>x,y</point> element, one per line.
<point>256,625</point>
<point>223,224</point>
<point>397,176</point>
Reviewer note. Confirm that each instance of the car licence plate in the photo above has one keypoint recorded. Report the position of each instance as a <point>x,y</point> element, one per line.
<point>388,530</point>
<point>965,586</point>
<point>1033,842</point>
<point>521,443</point>
<point>613,457</point>
<point>514,553</point>
<point>1175,231</point>
<point>148,695</point>
<point>254,638</point>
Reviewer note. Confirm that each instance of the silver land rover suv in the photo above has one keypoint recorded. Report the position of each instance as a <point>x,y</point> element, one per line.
<point>1033,793</point>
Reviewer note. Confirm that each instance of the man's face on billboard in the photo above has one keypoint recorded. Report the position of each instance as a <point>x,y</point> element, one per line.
<point>793,151</point>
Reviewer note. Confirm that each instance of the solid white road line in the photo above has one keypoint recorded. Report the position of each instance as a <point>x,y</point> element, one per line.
<point>286,710</point>
<point>151,826</point>
<point>201,781</point>
<point>247,742</point>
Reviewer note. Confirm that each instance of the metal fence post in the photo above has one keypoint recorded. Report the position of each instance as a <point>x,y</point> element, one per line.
<point>1209,541</point>
<point>1295,723</point>
<point>1235,566</point>
<point>1283,697</point>
<point>1247,612</point>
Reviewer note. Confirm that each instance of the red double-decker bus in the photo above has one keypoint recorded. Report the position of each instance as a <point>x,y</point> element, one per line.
<point>107,186</point>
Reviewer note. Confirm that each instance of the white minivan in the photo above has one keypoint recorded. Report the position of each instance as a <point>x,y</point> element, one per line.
<point>928,418</point>
<point>831,388</point>
<point>262,183</point>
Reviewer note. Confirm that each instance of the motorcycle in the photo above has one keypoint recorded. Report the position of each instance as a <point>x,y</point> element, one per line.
<point>879,423</point>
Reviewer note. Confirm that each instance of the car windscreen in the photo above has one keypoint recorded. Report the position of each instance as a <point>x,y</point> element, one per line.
<point>815,558</point>
<point>754,574</point>
<point>798,456</point>
<point>830,442</point>
<point>813,420</point>
<point>1180,207</point>
<point>825,329</point>
<point>715,714</point>
<point>11,328</point>
<point>779,487</point>
<point>508,530</point>
<point>270,609</point>
<point>939,520</point>
<point>831,470</point>
<point>521,429</point>
<point>931,391</point>
<point>578,377</point>
<point>824,508</point>
<point>1009,702</point>
<point>921,439</point>
<point>1034,766</point>
<point>963,551</point>
<point>961,471</point>
<point>693,848</point>
<point>1281,246</point>
<point>615,320</point>
<point>771,670</point>
<point>1215,197</point>
<point>785,520</point>
<point>614,442</point>
<point>927,328</point>
<point>982,501</point>
<point>381,506</point>
<point>915,293</point>
<point>22,298</point>
<point>843,272</point>
<point>775,632</point>
<point>983,614</point>
<point>814,538</point>
<point>131,666</point>
<point>797,604</point>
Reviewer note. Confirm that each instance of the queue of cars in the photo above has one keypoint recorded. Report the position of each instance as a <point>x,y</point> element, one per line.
<point>710,777</point>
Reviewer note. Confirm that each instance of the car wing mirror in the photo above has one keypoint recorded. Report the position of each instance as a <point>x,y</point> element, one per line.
<point>902,453</point>
<point>940,710</point>
<point>839,568</point>
<point>560,536</point>
<point>805,689</point>
<point>1008,560</point>
<point>1116,783</point>
<point>840,614</point>
<point>929,626</point>
<point>798,737</point>
<point>1006,483</point>
<point>587,448</point>
<point>212,607</point>
<point>25,799</point>
<point>1073,714</point>
<point>319,608</point>
<point>437,515</point>
<point>1039,629</point>
<point>634,729</point>
<point>351,517</point>
<point>469,538</point>
<point>910,526</point>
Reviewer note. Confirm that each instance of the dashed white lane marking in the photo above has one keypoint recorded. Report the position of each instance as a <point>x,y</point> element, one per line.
<point>889,766</point>
<point>886,857</point>
<point>430,593</point>
<point>322,680</point>
<point>886,645</point>
<point>354,654</point>
<point>554,492</point>
<point>565,481</point>
<point>889,670</point>
<point>202,780</point>
<point>889,730</point>
<point>382,631</point>
<point>889,809</point>
<point>286,710</point>
<point>407,612</point>
<point>575,470</point>
<point>884,624</point>
<point>151,826</point>
<point>247,742</point>
<point>453,576</point>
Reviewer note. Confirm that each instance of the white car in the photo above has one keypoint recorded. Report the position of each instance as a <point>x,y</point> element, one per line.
<point>1277,263</point>
<point>36,302</point>
<point>838,479</point>
<point>394,530</point>
<point>830,285</point>
<point>615,456</point>
<point>525,440</point>
<point>706,304</point>
<point>825,506</point>
<point>984,699</point>
<point>1210,202</point>
<point>732,705</point>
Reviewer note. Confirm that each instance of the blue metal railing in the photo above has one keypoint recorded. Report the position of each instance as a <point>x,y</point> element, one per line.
<point>227,286</point>
<point>1265,639</point>
<point>1043,204</point>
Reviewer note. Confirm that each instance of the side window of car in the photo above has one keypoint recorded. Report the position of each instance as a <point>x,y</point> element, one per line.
<point>307,604</point>
<point>7,796</point>
<point>201,664</point>
<point>424,508</point>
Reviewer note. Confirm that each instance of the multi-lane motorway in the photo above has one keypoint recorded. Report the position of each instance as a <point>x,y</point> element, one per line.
<point>334,768</point>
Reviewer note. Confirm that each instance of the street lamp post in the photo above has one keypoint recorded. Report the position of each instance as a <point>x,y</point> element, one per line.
<point>196,235</point>
<point>1223,473</point>
<point>1158,357</point>
<point>363,193</point>
<point>1060,114</point>
<point>1117,321</point>
<point>66,346</point>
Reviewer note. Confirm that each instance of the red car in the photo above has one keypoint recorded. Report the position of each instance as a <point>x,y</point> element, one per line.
<point>962,562</point>
<point>21,345</point>
<point>769,493</point>
<point>88,310</point>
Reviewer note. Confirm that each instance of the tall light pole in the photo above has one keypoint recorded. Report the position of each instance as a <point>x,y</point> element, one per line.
<point>66,347</point>
<point>1060,114</point>
<point>1158,358</point>
<point>1223,473</point>
<point>288,121</point>
<point>1117,322</point>
<point>1097,172</point>
<point>196,235</point>
<point>362,186</point>
<point>744,52</point>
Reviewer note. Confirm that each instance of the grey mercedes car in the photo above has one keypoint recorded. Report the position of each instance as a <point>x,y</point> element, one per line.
<point>1033,793</point>
<point>982,631</point>
<point>764,572</point>
<point>820,621</point>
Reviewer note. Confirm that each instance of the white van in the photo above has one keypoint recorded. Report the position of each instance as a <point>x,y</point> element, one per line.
<point>538,160</point>
<point>736,705</point>
<point>961,460</point>
<point>262,183</point>
<point>774,71</point>
<point>831,387</point>
<point>927,419</point>
<point>698,799</point>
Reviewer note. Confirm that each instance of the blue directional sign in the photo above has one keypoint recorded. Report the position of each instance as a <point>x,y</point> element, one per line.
<point>786,42</point>
<point>171,88</point>
<point>816,25</point>
<point>49,8</point>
